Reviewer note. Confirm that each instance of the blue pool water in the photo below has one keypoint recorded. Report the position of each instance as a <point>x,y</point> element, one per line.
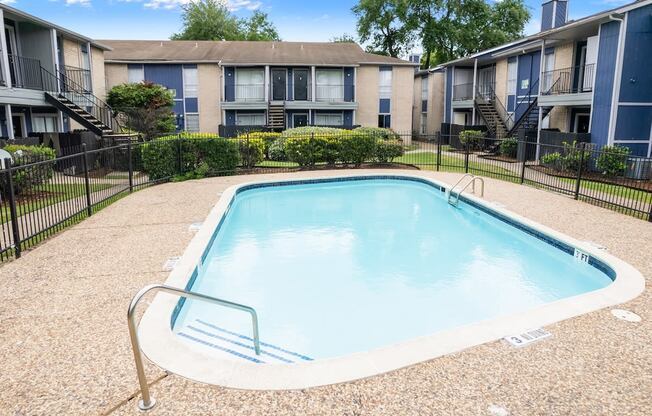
<point>339,267</point>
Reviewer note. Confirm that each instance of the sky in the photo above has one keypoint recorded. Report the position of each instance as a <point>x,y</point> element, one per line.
<point>312,20</point>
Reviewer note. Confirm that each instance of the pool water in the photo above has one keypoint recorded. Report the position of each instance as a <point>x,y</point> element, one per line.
<point>339,267</point>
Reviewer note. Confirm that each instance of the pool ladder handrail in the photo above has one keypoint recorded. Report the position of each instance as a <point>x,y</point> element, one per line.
<point>147,402</point>
<point>454,199</point>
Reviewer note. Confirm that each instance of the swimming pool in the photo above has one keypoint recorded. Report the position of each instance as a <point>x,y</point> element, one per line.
<point>375,271</point>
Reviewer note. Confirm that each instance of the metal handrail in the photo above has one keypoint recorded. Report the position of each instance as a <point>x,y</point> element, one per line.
<point>474,178</point>
<point>147,402</point>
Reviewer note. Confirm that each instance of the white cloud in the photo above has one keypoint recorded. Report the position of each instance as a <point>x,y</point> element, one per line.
<point>84,3</point>
<point>7,1</point>
<point>232,5</point>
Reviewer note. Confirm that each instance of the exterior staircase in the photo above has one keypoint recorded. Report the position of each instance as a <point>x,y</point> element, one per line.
<point>83,116</point>
<point>487,108</point>
<point>276,115</point>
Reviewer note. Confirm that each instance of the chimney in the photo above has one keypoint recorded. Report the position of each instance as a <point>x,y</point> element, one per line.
<point>554,13</point>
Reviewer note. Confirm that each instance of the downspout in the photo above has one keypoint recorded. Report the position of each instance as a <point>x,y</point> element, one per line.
<point>222,97</point>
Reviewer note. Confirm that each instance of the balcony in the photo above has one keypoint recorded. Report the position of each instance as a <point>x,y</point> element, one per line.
<point>573,80</point>
<point>463,92</point>
<point>25,72</point>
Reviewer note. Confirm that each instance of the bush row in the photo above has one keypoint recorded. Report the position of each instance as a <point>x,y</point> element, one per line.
<point>27,179</point>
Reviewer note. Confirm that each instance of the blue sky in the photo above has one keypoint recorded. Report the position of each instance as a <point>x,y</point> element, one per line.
<point>316,20</point>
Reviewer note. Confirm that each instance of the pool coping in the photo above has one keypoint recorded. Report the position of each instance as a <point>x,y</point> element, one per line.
<point>165,349</point>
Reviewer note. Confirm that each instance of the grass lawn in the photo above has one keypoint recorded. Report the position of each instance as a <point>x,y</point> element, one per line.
<point>611,189</point>
<point>275,164</point>
<point>428,160</point>
<point>52,194</point>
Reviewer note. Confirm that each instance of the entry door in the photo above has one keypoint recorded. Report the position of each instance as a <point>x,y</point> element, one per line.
<point>19,125</point>
<point>278,84</point>
<point>12,49</point>
<point>299,120</point>
<point>582,123</point>
<point>300,84</point>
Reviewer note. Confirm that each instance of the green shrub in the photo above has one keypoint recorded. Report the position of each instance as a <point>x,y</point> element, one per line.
<point>252,151</point>
<point>552,160</point>
<point>308,131</point>
<point>573,155</point>
<point>378,132</point>
<point>277,150</point>
<point>356,148</point>
<point>472,138</point>
<point>190,155</point>
<point>509,147</point>
<point>306,151</point>
<point>613,160</point>
<point>388,150</point>
<point>25,179</point>
<point>268,137</point>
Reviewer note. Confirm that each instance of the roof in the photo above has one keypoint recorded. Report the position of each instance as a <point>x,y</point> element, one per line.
<point>62,30</point>
<point>244,53</point>
<point>595,19</point>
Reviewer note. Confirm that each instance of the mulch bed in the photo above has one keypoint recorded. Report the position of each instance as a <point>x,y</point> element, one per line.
<point>641,185</point>
<point>499,158</point>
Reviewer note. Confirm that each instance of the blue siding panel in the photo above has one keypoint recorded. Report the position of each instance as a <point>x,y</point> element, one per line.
<point>349,95</point>
<point>633,123</point>
<point>229,84</point>
<point>604,82</point>
<point>636,84</point>
<point>170,76</point>
<point>384,105</point>
<point>348,118</point>
<point>560,15</point>
<point>192,105</point>
<point>546,16</point>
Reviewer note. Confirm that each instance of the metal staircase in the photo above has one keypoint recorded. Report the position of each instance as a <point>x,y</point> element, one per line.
<point>492,111</point>
<point>78,103</point>
<point>276,115</point>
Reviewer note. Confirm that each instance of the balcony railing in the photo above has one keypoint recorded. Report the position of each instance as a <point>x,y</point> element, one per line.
<point>25,72</point>
<point>574,80</point>
<point>463,92</point>
<point>79,76</point>
<point>486,90</point>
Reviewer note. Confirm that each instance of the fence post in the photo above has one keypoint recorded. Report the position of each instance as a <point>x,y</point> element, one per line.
<point>438,150</point>
<point>12,209</point>
<point>131,167</point>
<point>466,158</point>
<point>523,160</point>
<point>579,171</point>
<point>87,182</point>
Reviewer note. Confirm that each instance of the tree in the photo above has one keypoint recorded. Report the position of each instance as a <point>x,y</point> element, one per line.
<point>147,107</point>
<point>212,20</point>
<point>258,27</point>
<point>343,38</point>
<point>450,29</point>
<point>381,22</point>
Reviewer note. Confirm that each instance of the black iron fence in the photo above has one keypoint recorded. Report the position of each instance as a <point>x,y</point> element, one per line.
<point>40,196</point>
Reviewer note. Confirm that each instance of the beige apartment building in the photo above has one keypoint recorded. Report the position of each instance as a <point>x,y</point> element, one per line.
<point>233,86</point>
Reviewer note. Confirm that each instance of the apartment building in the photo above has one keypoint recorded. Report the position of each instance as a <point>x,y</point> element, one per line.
<point>591,75</point>
<point>50,78</point>
<point>223,86</point>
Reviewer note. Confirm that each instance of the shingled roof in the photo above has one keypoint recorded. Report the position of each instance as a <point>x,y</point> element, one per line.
<point>244,53</point>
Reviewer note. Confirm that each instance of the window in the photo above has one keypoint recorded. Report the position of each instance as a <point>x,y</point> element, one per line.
<point>44,123</point>
<point>257,119</point>
<point>424,88</point>
<point>548,72</point>
<point>190,82</point>
<point>329,85</point>
<point>512,68</point>
<point>385,120</point>
<point>192,123</point>
<point>385,83</point>
<point>85,56</point>
<point>136,74</point>
<point>423,123</point>
<point>322,119</point>
<point>250,84</point>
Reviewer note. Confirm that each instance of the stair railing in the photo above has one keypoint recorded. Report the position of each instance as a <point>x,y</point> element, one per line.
<point>487,91</point>
<point>527,102</point>
<point>62,84</point>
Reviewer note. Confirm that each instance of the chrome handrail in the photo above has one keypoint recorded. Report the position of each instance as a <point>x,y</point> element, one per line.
<point>147,402</point>
<point>471,182</point>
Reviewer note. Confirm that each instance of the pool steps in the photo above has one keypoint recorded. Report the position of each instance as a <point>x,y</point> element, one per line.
<point>235,346</point>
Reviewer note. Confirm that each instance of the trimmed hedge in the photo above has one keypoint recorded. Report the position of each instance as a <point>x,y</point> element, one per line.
<point>26,179</point>
<point>268,138</point>
<point>201,155</point>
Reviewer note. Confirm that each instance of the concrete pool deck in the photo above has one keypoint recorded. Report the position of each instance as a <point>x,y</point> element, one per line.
<point>65,347</point>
